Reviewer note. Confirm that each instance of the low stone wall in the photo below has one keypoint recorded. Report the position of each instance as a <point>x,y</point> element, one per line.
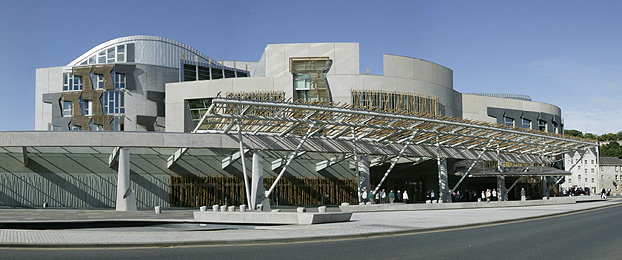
<point>267,217</point>
<point>462,205</point>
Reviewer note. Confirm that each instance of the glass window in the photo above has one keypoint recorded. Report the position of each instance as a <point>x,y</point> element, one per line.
<point>100,81</point>
<point>542,125</point>
<point>66,108</point>
<point>592,180</point>
<point>92,60</point>
<point>111,53</point>
<point>585,170</point>
<point>526,123</point>
<point>508,121</point>
<point>592,170</point>
<point>592,161</point>
<point>101,57</point>
<point>65,81</point>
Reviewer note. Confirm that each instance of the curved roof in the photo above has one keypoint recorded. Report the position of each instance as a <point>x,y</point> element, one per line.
<point>153,50</point>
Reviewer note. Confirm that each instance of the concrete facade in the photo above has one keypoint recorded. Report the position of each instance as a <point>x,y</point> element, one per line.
<point>156,98</point>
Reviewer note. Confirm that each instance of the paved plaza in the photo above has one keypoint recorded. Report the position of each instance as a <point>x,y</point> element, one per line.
<point>189,233</point>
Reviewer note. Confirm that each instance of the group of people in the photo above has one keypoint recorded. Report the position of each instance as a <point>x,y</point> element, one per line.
<point>490,195</point>
<point>576,191</point>
<point>384,197</point>
<point>464,196</point>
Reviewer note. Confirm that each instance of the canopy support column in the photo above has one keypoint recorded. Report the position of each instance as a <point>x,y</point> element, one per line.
<point>501,188</point>
<point>257,189</point>
<point>126,198</point>
<point>356,168</point>
<point>443,187</point>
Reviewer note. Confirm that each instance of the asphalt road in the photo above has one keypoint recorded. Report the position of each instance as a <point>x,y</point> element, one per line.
<point>593,234</point>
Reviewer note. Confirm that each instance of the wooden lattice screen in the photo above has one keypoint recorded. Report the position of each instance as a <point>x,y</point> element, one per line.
<point>208,190</point>
<point>396,102</point>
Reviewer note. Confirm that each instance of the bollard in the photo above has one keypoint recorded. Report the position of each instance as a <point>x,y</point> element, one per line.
<point>158,210</point>
<point>345,204</point>
<point>242,208</point>
<point>301,209</point>
<point>321,209</point>
<point>223,208</point>
<point>45,204</point>
<point>202,208</point>
<point>368,203</point>
<point>428,202</point>
<point>260,207</point>
<point>231,208</point>
<point>215,208</point>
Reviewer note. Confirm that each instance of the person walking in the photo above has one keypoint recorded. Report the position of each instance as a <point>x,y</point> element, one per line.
<point>383,196</point>
<point>399,196</point>
<point>364,196</point>
<point>488,194</point>
<point>405,197</point>
<point>378,197</point>
<point>391,196</point>
<point>371,197</point>
<point>494,194</point>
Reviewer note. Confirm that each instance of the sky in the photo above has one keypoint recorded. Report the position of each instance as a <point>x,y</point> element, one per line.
<point>566,53</point>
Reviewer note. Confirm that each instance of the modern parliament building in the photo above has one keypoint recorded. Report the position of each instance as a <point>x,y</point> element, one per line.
<point>303,112</point>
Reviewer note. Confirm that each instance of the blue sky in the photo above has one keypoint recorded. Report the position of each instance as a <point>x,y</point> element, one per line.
<point>566,53</point>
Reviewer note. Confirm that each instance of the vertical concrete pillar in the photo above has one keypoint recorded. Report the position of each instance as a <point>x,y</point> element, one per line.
<point>545,187</point>
<point>443,184</point>
<point>126,198</point>
<point>258,191</point>
<point>364,174</point>
<point>501,189</point>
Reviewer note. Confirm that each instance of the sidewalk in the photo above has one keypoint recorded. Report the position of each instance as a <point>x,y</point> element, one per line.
<point>362,225</point>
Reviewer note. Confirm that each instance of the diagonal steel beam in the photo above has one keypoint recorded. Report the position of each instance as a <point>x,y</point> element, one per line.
<point>289,160</point>
<point>246,184</point>
<point>393,163</point>
<point>479,156</point>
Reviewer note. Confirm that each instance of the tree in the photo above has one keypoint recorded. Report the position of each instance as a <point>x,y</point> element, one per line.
<point>608,137</point>
<point>576,133</point>
<point>590,136</point>
<point>612,149</point>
